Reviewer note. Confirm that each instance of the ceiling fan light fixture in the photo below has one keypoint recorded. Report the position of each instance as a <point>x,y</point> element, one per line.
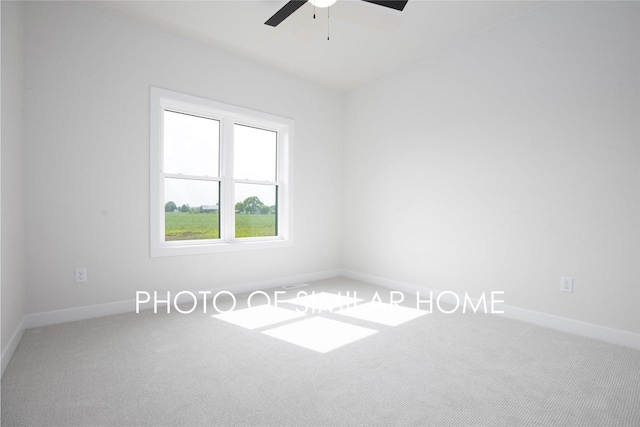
<point>322,3</point>
<point>293,5</point>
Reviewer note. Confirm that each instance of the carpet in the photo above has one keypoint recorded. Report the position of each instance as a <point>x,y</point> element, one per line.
<point>196,370</point>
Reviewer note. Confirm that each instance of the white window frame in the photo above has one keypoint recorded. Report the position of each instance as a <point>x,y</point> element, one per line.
<point>228,115</point>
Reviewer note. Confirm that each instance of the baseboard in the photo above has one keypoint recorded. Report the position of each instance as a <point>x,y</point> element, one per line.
<point>589,330</point>
<point>563,324</point>
<point>37,320</point>
<point>7,353</point>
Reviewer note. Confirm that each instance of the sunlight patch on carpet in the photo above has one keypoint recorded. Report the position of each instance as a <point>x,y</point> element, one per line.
<point>324,301</point>
<point>258,316</point>
<point>384,314</point>
<point>320,334</point>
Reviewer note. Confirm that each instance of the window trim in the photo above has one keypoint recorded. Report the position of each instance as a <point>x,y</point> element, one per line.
<point>228,115</point>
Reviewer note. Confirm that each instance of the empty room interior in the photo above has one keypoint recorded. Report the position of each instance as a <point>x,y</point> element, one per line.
<point>320,213</point>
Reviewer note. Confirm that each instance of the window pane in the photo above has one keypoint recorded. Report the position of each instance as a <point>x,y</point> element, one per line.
<point>191,144</point>
<point>256,210</point>
<point>254,153</point>
<point>191,209</point>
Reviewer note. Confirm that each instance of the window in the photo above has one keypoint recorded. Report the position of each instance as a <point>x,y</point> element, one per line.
<point>220,176</point>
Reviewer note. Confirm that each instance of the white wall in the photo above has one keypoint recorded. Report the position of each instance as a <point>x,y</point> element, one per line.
<point>506,161</point>
<point>88,74</point>
<point>12,268</point>
<point>501,162</point>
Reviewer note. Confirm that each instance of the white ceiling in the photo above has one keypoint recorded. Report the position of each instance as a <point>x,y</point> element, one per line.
<point>367,40</point>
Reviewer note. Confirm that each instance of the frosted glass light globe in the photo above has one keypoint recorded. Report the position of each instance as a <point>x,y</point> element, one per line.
<point>322,3</point>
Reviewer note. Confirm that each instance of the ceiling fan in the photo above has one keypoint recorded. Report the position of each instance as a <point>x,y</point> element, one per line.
<point>294,5</point>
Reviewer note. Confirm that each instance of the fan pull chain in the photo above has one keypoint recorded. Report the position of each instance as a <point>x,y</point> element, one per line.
<point>328,26</point>
<point>314,11</point>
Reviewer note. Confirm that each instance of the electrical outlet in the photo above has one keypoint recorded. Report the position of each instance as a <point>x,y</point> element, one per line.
<point>81,275</point>
<point>566,284</point>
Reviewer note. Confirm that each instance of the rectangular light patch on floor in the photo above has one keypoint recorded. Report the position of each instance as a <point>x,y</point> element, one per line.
<point>324,301</point>
<point>385,314</point>
<point>320,334</point>
<point>258,316</point>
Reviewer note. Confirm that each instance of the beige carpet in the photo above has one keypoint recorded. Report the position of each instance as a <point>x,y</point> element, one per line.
<point>190,370</point>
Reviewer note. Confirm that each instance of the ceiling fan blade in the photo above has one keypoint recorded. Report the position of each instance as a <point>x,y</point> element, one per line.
<point>393,4</point>
<point>284,13</point>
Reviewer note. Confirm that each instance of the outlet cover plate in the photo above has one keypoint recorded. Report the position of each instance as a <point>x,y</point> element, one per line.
<point>81,275</point>
<point>566,284</point>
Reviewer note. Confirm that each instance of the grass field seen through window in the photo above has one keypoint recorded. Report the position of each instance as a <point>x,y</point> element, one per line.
<point>197,226</point>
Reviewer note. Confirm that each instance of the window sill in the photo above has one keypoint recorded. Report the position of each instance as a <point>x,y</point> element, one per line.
<point>177,249</point>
